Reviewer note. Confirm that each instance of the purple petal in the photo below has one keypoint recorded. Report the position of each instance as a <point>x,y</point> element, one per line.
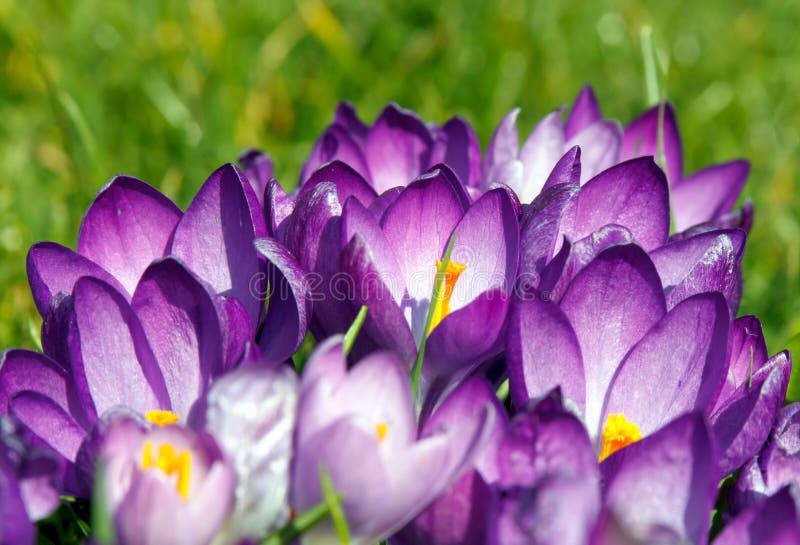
<point>54,269</point>
<point>314,216</point>
<point>111,359</point>
<point>541,151</point>
<point>487,242</point>
<point>538,231</point>
<point>348,182</point>
<point>257,167</point>
<point>290,304</point>
<point>347,117</point>
<point>49,422</point>
<point>237,330</point>
<point>26,371</point>
<point>457,146</point>
<point>677,367</point>
<point>504,145</point>
<point>706,262</point>
<point>772,522</point>
<point>418,226</point>
<point>708,194</point>
<point>128,225</point>
<point>585,111</point>
<point>397,148</point>
<point>748,355</point>
<point>611,304</point>
<point>542,353</point>
<point>567,169</point>
<point>215,237</point>
<point>599,144</point>
<point>17,529</point>
<point>278,206</point>
<point>384,201</point>
<point>667,481</point>
<point>385,325</point>
<point>336,143</point>
<point>466,337</point>
<point>641,139</point>
<point>180,320</point>
<point>632,194</point>
<point>743,424</point>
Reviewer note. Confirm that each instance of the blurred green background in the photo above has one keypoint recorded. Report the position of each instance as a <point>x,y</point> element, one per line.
<point>168,91</point>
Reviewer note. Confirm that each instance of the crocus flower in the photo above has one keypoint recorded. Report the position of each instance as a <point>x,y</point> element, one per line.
<point>397,148</point>
<point>386,255</point>
<point>629,364</point>
<point>360,427</point>
<point>156,355</point>
<point>162,484</point>
<point>251,413</point>
<point>592,144</point>
<point>459,515</point>
<point>776,466</point>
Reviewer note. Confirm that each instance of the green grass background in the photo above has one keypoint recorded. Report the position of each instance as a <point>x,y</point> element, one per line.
<point>168,91</point>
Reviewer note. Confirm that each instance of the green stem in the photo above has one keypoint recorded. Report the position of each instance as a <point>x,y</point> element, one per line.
<point>300,525</point>
<point>352,332</point>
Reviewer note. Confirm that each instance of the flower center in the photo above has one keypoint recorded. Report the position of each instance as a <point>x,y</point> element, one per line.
<point>618,433</point>
<point>381,430</point>
<point>161,418</point>
<point>174,464</point>
<point>442,304</point>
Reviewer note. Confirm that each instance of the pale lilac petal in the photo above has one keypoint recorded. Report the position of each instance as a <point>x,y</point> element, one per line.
<point>708,194</point>
<point>611,304</point>
<point>215,237</point>
<point>504,145</point>
<point>128,225</point>
<point>54,269</point>
<point>541,151</point>
<point>600,145</point>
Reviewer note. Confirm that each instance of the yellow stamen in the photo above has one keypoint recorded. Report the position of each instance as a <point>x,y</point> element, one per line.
<point>170,463</point>
<point>161,418</point>
<point>381,430</point>
<point>618,433</point>
<point>451,274</point>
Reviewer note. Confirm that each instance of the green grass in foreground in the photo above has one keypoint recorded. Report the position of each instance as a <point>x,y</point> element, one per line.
<point>171,90</point>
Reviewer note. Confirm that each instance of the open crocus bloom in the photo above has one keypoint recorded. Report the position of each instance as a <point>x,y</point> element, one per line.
<point>628,364</point>
<point>397,148</point>
<point>165,484</point>
<point>386,254</point>
<point>156,355</point>
<point>365,417</point>
<point>592,144</point>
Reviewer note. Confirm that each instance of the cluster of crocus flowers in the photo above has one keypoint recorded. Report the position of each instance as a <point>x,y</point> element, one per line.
<point>512,348</point>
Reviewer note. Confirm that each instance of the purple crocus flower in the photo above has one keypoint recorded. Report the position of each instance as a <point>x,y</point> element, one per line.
<point>627,362</point>
<point>397,148</point>
<point>162,484</point>
<point>386,254</point>
<point>360,427</point>
<point>590,144</point>
<point>776,466</point>
<point>156,355</point>
<point>459,515</point>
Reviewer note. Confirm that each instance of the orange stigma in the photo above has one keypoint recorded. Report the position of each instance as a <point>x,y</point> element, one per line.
<point>618,433</point>
<point>442,304</point>
<point>171,463</point>
<point>161,418</point>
